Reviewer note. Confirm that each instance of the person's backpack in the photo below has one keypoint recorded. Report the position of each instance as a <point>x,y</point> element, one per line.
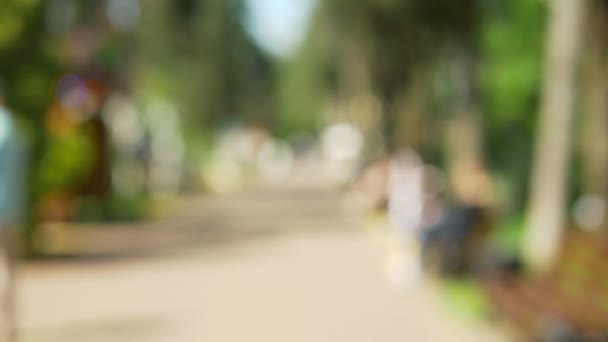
<point>455,244</point>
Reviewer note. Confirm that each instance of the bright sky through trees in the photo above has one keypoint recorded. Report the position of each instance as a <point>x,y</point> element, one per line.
<point>279,26</point>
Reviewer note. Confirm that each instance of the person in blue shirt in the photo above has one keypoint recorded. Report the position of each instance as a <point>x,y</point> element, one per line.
<point>12,191</point>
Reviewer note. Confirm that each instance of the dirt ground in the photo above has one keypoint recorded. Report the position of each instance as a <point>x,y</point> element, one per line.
<point>278,262</point>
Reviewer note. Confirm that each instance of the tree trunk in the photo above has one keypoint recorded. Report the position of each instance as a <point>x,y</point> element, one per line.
<point>594,137</point>
<point>361,106</point>
<point>463,136</point>
<point>547,203</point>
<point>411,111</point>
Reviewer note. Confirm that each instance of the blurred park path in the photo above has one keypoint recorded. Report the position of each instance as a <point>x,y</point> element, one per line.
<point>278,262</point>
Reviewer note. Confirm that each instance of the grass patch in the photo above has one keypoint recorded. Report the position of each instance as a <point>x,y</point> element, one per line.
<point>508,236</point>
<point>466,297</point>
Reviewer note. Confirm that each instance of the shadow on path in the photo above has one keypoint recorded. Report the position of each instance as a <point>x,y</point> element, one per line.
<point>195,223</point>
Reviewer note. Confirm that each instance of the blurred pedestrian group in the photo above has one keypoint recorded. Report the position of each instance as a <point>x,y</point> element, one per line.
<point>436,230</point>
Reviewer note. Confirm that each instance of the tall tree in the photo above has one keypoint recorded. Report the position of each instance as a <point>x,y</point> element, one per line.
<point>547,203</point>
<point>595,121</point>
<point>464,128</point>
<point>203,55</point>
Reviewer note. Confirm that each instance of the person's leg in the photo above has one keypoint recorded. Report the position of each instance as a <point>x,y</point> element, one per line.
<point>8,246</point>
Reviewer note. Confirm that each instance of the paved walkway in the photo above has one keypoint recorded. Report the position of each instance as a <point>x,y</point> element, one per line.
<point>277,263</point>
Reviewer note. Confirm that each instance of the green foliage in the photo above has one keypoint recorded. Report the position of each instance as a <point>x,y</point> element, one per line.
<point>199,52</point>
<point>466,297</point>
<point>13,20</point>
<point>392,38</point>
<point>512,45</point>
<point>65,163</point>
<point>507,237</point>
<point>512,63</point>
<point>304,83</point>
<point>116,209</point>
<point>197,55</point>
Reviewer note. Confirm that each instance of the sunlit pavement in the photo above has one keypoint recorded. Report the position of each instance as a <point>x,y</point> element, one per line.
<point>277,263</point>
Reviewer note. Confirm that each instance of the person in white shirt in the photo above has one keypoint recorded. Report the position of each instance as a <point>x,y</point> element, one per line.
<point>406,200</point>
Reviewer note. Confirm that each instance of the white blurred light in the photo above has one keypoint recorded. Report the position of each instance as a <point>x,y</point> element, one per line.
<point>279,25</point>
<point>167,146</point>
<point>275,160</point>
<point>240,144</point>
<point>223,175</point>
<point>123,15</point>
<point>341,146</point>
<point>167,143</point>
<point>121,116</point>
<point>342,142</point>
<point>590,212</point>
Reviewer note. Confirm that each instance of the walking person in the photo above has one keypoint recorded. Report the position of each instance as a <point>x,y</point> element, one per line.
<point>11,204</point>
<point>405,209</point>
